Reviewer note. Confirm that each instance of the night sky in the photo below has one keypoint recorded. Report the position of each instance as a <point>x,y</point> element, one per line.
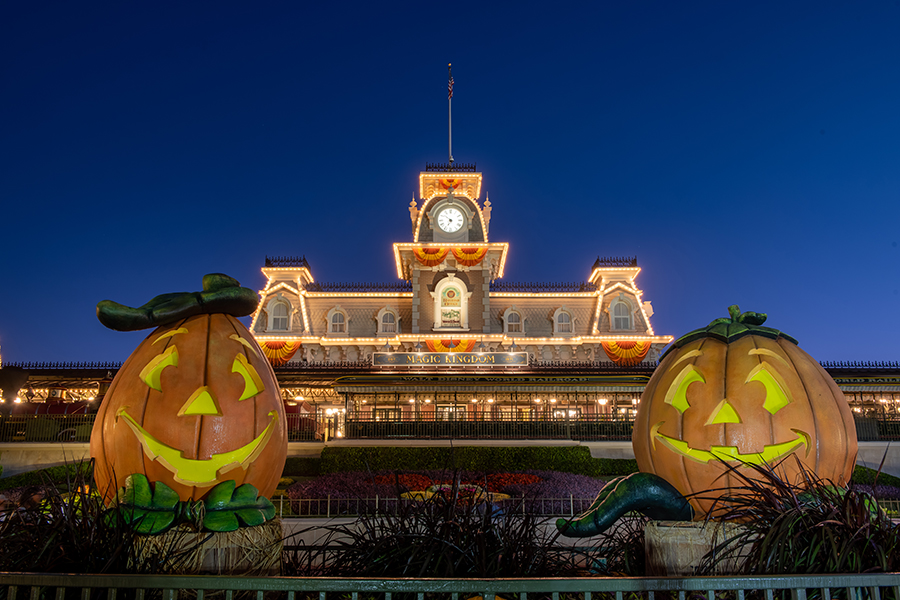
<point>746,152</point>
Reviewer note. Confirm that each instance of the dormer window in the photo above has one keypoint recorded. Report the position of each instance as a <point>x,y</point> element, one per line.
<point>388,321</point>
<point>621,314</point>
<point>280,317</point>
<point>513,322</point>
<point>563,322</point>
<point>337,321</point>
<point>279,311</point>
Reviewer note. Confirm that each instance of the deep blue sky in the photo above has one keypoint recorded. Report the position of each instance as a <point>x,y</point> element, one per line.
<point>746,152</point>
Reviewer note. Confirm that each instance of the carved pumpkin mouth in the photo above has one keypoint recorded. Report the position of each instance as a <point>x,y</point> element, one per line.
<point>190,471</point>
<point>770,454</point>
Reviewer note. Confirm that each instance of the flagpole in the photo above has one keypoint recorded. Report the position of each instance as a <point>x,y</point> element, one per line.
<point>450,112</point>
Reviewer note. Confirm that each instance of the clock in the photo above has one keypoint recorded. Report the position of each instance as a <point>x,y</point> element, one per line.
<point>450,220</point>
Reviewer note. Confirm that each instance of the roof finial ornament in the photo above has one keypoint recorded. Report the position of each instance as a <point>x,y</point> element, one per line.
<point>450,110</point>
<point>413,212</point>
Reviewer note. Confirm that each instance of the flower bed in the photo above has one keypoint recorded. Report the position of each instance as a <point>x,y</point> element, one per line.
<point>540,491</point>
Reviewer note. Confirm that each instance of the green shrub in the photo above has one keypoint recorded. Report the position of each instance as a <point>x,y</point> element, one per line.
<point>867,476</point>
<point>301,466</point>
<point>566,459</point>
<point>59,475</point>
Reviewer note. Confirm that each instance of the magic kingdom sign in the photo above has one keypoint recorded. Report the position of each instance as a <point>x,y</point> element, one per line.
<point>450,359</point>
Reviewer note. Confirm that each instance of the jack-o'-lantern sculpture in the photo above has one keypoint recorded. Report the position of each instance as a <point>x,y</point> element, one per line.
<point>729,396</point>
<point>197,403</point>
<point>739,393</point>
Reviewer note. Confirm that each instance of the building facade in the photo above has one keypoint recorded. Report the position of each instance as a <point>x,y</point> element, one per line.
<point>450,340</point>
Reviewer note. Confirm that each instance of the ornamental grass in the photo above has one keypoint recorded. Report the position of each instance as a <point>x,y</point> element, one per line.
<point>808,527</point>
<point>446,535</point>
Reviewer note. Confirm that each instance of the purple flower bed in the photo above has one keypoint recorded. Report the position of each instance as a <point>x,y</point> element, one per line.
<point>549,495</point>
<point>882,492</point>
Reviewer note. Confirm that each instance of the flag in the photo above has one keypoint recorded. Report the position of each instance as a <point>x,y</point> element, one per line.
<point>450,89</point>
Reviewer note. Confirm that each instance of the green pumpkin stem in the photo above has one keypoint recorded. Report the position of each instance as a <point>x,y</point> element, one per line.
<point>221,294</point>
<point>731,328</point>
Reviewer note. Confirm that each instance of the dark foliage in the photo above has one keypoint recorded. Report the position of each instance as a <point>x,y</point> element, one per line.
<point>50,530</point>
<point>448,536</point>
<point>814,527</point>
<point>566,459</point>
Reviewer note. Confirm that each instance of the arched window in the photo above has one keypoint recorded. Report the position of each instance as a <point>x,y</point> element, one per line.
<point>621,312</point>
<point>563,322</point>
<point>451,304</point>
<point>337,323</point>
<point>280,317</point>
<point>387,321</point>
<point>514,322</point>
<point>279,311</point>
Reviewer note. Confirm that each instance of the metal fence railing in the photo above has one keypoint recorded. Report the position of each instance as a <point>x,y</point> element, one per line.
<point>46,428</point>
<point>545,507</point>
<point>25,586</point>
<point>352,507</point>
<point>303,428</point>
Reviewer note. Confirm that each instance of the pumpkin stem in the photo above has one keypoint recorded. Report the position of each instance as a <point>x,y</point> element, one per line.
<point>221,294</point>
<point>734,312</point>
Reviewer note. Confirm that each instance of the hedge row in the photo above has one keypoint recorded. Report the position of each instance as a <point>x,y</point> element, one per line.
<point>58,475</point>
<point>566,459</point>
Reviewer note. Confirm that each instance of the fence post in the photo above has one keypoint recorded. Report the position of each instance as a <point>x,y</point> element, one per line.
<point>571,505</point>
<point>328,506</point>
<point>376,504</point>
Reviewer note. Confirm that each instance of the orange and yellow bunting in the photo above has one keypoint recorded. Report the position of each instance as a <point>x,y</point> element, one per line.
<point>469,257</point>
<point>450,183</point>
<point>430,257</point>
<point>450,345</point>
<point>279,353</point>
<point>626,354</point>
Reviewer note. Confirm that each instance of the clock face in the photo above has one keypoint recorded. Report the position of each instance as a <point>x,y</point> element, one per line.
<point>450,220</point>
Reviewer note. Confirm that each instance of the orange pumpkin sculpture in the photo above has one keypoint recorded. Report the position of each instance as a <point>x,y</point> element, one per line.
<point>739,393</point>
<point>197,403</point>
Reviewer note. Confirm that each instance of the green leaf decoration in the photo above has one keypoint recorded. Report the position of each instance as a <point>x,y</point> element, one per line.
<point>227,507</point>
<point>152,510</point>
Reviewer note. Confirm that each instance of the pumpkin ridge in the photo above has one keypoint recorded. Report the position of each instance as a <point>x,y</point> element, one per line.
<point>812,409</point>
<point>770,417</point>
<point>683,459</point>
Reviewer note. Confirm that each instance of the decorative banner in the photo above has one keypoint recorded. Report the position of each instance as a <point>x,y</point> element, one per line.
<point>626,354</point>
<point>436,359</point>
<point>450,345</point>
<point>279,353</point>
<point>450,183</point>
<point>430,257</point>
<point>469,257</point>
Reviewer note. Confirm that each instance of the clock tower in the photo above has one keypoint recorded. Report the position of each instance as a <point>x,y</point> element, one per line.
<point>450,262</point>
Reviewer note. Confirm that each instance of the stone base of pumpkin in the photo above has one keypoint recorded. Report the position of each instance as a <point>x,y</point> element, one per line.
<point>183,550</point>
<point>678,548</point>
